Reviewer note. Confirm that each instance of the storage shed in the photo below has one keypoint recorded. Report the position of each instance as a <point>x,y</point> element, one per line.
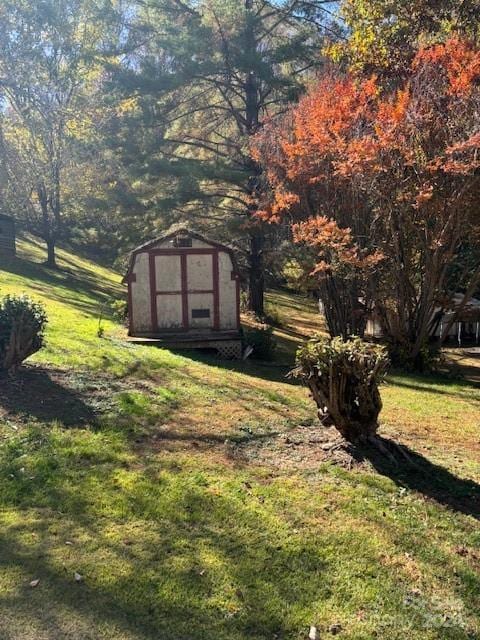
<point>7,235</point>
<point>184,291</point>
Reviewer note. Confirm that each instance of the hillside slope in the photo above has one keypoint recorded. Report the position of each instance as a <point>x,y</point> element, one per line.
<point>195,499</point>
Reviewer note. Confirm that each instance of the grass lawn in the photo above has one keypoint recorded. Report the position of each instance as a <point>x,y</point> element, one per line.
<point>193,499</point>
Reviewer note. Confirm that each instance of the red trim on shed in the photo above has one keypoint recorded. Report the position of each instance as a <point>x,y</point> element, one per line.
<point>238,301</point>
<point>179,292</point>
<point>183,269</point>
<point>216,291</point>
<point>147,247</point>
<point>153,292</point>
<point>129,280</point>
<point>130,308</point>
<point>182,251</point>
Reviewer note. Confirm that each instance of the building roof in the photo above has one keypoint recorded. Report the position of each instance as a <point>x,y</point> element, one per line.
<point>175,230</point>
<point>470,312</point>
<point>3,216</point>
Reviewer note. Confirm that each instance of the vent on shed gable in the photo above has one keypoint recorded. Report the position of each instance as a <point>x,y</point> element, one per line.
<point>182,241</point>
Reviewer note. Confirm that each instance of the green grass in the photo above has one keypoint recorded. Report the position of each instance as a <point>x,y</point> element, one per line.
<point>128,465</point>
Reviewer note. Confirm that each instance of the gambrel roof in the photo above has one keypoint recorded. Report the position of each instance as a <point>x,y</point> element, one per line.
<point>178,230</point>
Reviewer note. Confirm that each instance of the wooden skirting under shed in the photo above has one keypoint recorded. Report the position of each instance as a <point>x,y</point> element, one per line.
<point>229,347</point>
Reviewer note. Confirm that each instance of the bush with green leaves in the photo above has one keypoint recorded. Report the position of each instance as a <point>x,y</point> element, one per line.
<point>22,325</point>
<point>119,309</point>
<point>260,337</point>
<point>343,376</point>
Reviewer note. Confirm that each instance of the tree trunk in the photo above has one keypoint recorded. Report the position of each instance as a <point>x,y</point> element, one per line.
<point>51,257</point>
<point>252,123</point>
<point>48,232</point>
<point>347,402</point>
<point>256,275</point>
<point>344,312</point>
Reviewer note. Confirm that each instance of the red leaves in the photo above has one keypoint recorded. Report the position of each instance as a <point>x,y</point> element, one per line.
<point>347,129</point>
<point>391,115</point>
<point>333,244</point>
<point>383,185</point>
<point>320,231</point>
<point>367,172</point>
<point>463,157</point>
<point>458,59</point>
<point>424,195</point>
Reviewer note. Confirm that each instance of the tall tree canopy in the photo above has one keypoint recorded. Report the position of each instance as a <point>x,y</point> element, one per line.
<point>385,186</point>
<point>50,73</point>
<point>385,34</point>
<point>203,78</point>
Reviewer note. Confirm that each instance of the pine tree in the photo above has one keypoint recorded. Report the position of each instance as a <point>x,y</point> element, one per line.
<point>202,79</point>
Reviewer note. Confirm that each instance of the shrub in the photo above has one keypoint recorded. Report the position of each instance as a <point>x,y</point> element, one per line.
<point>22,322</point>
<point>272,315</point>
<point>244,301</point>
<point>343,376</point>
<point>261,338</point>
<point>119,309</point>
<point>428,359</point>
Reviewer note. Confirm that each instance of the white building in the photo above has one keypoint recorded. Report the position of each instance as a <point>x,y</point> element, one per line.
<point>466,327</point>
<point>184,291</point>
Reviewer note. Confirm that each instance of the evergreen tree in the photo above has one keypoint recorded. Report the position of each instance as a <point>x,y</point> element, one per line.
<point>202,79</point>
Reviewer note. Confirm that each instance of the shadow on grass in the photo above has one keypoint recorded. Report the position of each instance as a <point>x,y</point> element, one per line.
<point>196,438</point>
<point>78,289</point>
<point>265,370</point>
<point>164,589</point>
<point>33,393</point>
<point>422,475</point>
<point>429,384</point>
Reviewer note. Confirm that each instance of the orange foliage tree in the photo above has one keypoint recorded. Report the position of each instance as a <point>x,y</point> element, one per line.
<point>384,185</point>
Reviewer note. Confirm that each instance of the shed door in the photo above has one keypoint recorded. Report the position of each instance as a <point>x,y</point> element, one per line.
<point>200,290</point>
<point>185,290</point>
<point>168,292</point>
